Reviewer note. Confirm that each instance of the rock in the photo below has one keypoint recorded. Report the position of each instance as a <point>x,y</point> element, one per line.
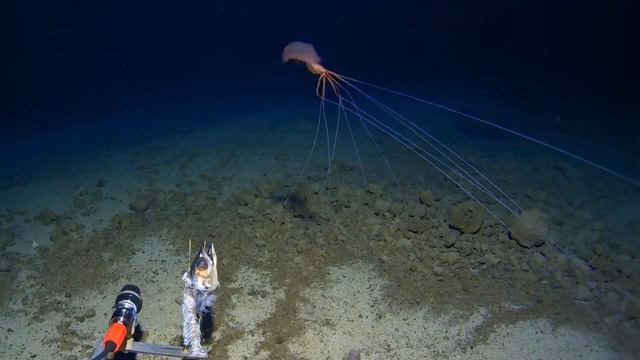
<point>380,207</point>
<point>600,249</point>
<point>396,208</point>
<point>82,199</point>
<point>6,238</point>
<point>490,260</point>
<point>613,302</point>
<point>265,189</point>
<point>89,313</point>
<point>5,265</point>
<point>417,226</point>
<point>139,204</point>
<point>325,213</point>
<point>452,258</point>
<point>68,227</point>
<point>451,239</point>
<point>417,210</point>
<point>579,267</point>
<point>532,229</point>
<point>426,197</point>
<point>582,293</point>
<point>97,195</point>
<point>278,219</point>
<point>246,198</point>
<point>374,189</point>
<point>404,242</point>
<point>624,265</point>
<point>353,355</point>
<point>467,217</point>
<point>345,195</point>
<point>438,270</point>
<point>465,245</point>
<point>46,217</point>
<point>557,219</point>
<point>632,308</point>
<point>314,188</point>
<point>558,261</point>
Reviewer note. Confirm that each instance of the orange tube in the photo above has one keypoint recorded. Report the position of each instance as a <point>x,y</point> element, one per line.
<point>117,333</point>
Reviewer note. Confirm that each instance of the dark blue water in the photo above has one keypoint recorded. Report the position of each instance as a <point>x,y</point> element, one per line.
<point>542,67</point>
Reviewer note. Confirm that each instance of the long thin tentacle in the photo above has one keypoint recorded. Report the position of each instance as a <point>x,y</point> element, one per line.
<point>445,151</point>
<point>498,126</point>
<point>313,145</point>
<point>464,175</point>
<point>355,145</point>
<point>326,127</point>
<point>375,143</point>
<point>421,153</point>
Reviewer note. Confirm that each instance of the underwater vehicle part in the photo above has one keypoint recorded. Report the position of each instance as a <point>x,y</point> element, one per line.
<point>124,331</point>
<point>347,94</point>
<point>123,320</point>
<point>198,301</point>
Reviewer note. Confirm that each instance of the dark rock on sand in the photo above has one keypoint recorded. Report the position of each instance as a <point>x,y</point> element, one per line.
<point>46,217</point>
<point>465,244</point>
<point>82,199</point>
<point>451,239</point>
<point>353,355</point>
<point>396,208</point>
<point>417,210</point>
<point>89,313</point>
<point>417,225</point>
<point>6,238</point>
<point>467,217</point>
<point>101,183</point>
<point>5,265</point>
<point>426,197</point>
<point>265,189</point>
<point>380,207</point>
<point>375,190</point>
<point>246,197</point>
<point>139,204</point>
<point>582,293</point>
<point>532,229</point>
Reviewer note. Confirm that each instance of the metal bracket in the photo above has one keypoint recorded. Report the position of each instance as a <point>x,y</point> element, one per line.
<point>154,349</point>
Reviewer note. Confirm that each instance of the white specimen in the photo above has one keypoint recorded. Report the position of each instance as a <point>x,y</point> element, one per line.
<point>198,298</point>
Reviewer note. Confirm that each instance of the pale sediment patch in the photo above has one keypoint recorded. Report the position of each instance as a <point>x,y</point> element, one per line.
<point>254,303</point>
<point>540,339</point>
<point>350,312</point>
<point>244,348</point>
<point>158,273</point>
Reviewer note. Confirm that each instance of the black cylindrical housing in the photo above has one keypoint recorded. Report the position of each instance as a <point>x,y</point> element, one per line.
<point>131,293</point>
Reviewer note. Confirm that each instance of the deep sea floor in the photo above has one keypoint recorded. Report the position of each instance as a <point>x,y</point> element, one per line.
<point>352,267</point>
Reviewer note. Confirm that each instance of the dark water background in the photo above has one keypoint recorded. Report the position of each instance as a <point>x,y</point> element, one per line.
<point>81,75</point>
